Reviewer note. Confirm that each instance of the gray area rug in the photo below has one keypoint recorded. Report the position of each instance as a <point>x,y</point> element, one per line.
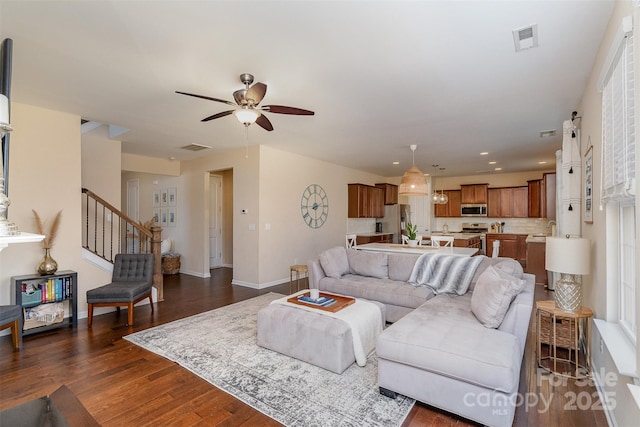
<point>220,347</point>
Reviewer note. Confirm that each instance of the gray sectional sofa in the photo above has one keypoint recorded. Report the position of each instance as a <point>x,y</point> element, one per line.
<point>461,353</point>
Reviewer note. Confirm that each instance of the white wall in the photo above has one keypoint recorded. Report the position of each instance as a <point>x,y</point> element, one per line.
<point>45,175</point>
<point>594,285</point>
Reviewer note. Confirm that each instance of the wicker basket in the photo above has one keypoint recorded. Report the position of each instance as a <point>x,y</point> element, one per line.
<point>564,330</point>
<point>170,264</point>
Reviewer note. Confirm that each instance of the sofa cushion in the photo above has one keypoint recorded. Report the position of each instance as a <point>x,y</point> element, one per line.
<point>334,262</point>
<point>509,266</point>
<point>493,294</point>
<point>401,266</point>
<point>370,264</point>
<point>386,291</point>
<point>443,336</point>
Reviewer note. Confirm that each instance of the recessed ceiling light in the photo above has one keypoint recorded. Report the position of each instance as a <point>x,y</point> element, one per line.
<point>484,153</point>
<point>542,163</point>
<point>498,169</point>
<point>493,163</point>
<point>396,163</point>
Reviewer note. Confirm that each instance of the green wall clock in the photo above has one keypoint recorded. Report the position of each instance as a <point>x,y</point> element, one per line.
<point>314,206</point>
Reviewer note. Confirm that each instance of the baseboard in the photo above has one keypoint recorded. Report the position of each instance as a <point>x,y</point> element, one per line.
<point>259,285</point>
<point>206,275</point>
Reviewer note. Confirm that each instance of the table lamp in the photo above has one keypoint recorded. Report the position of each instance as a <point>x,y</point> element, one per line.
<point>569,257</point>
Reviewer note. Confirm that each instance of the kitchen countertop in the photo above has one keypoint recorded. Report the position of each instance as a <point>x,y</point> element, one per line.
<point>372,234</point>
<point>537,238</point>
<point>459,236</point>
<point>391,247</point>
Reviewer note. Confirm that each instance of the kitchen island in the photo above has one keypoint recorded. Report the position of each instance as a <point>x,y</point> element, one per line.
<point>463,240</point>
<point>396,248</point>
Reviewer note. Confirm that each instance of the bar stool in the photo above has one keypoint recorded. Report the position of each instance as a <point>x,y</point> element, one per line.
<point>301,272</point>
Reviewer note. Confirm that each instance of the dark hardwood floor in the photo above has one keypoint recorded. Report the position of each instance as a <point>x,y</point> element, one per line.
<point>121,384</point>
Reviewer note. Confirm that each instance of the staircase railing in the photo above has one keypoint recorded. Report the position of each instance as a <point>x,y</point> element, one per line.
<point>107,231</point>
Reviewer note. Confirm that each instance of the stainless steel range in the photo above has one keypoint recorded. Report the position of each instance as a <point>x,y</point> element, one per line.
<point>480,228</point>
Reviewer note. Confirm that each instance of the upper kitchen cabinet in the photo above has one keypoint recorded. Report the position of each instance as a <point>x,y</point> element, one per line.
<point>549,194</point>
<point>365,201</point>
<point>451,208</point>
<point>474,193</point>
<point>542,197</point>
<point>508,202</point>
<point>390,193</point>
<point>535,198</point>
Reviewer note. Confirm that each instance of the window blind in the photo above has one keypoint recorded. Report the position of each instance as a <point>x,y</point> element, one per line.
<point>618,127</point>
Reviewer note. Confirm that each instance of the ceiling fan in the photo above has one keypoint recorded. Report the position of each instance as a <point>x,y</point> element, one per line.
<point>247,110</point>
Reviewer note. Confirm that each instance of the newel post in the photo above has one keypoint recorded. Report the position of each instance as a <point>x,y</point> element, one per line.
<point>156,242</point>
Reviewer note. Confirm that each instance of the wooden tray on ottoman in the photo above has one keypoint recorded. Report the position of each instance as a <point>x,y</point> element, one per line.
<point>341,302</point>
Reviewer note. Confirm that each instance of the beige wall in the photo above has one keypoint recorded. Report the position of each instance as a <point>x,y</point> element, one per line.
<point>283,178</point>
<point>45,175</point>
<point>594,285</point>
<point>100,155</point>
<point>227,217</point>
<point>136,163</point>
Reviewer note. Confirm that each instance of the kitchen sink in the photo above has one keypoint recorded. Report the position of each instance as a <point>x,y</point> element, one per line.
<point>539,235</point>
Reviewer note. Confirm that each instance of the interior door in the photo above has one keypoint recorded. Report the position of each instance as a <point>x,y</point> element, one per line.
<point>215,222</point>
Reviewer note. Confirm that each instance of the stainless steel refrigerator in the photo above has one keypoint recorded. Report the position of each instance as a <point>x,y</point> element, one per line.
<point>395,219</point>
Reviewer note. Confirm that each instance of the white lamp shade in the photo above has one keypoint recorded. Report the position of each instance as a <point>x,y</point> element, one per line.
<point>413,183</point>
<point>4,110</point>
<point>568,255</point>
<point>247,115</point>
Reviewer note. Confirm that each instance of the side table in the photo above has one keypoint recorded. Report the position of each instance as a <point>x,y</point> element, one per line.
<point>564,329</point>
<point>301,272</point>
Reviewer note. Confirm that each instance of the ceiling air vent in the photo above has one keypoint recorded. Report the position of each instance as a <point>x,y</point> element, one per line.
<point>526,38</point>
<point>195,147</point>
<point>547,133</point>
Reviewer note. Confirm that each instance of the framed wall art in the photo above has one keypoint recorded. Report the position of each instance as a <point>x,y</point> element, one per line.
<point>171,196</point>
<point>588,185</point>
<point>164,199</point>
<point>156,199</point>
<point>163,217</point>
<point>156,215</point>
<point>171,217</point>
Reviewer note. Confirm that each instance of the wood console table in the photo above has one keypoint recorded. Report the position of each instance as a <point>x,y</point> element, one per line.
<point>567,330</point>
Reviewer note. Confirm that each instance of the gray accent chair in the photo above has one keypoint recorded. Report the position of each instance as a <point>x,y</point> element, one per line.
<point>11,317</point>
<point>131,282</point>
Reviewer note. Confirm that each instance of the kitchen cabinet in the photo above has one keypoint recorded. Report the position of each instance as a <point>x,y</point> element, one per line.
<point>390,192</point>
<point>374,238</point>
<point>548,208</point>
<point>511,246</point>
<point>452,207</point>
<point>473,242</point>
<point>474,193</point>
<point>535,198</point>
<point>507,202</point>
<point>365,201</point>
<point>535,261</point>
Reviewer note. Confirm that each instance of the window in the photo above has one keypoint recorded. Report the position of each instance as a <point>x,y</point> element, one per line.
<point>618,175</point>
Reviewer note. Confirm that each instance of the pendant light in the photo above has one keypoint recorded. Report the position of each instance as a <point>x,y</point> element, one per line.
<point>444,199</point>
<point>413,182</point>
<point>435,197</point>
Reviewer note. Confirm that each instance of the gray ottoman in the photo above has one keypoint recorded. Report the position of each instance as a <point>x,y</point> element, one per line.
<point>308,336</point>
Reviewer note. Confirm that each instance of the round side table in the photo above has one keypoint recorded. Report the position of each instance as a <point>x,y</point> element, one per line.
<point>569,330</point>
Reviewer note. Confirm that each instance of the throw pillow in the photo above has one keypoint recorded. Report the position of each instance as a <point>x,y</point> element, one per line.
<point>492,296</point>
<point>370,264</point>
<point>334,262</point>
<point>509,266</point>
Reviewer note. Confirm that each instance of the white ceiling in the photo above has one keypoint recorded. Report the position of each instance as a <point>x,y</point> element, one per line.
<point>379,75</point>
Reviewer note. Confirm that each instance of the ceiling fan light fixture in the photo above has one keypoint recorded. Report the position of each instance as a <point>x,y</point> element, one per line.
<point>246,116</point>
<point>413,182</point>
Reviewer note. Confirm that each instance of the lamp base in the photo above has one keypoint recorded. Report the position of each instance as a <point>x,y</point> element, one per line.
<point>568,293</point>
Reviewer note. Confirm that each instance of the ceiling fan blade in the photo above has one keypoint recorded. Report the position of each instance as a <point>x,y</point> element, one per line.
<point>217,116</point>
<point>264,123</point>
<point>256,92</point>
<point>206,97</point>
<point>281,109</point>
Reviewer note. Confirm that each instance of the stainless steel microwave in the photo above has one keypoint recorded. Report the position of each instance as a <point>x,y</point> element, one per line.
<point>473,210</point>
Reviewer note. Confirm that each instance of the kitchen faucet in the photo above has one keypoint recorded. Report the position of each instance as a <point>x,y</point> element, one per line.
<point>552,225</point>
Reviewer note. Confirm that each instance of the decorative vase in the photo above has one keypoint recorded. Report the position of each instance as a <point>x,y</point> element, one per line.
<point>413,243</point>
<point>48,265</point>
